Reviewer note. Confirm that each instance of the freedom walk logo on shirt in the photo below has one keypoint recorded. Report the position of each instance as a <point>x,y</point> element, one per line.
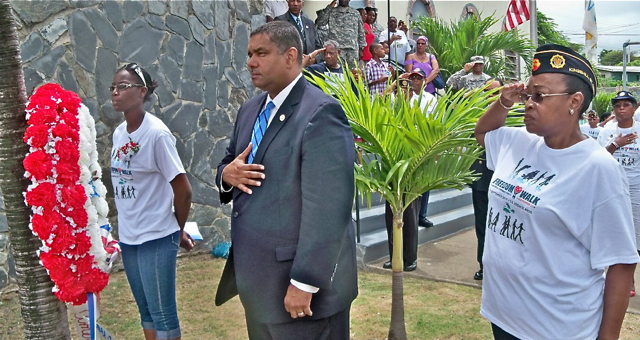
<point>519,190</point>
<point>121,163</point>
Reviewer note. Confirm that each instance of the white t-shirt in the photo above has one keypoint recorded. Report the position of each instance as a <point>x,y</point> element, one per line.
<point>628,155</point>
<point>589,131</point>
<point>274,8</point>
<point>142,165</point>
<point>549,236</point>
<point>427,102</point>
<point>399,48</point>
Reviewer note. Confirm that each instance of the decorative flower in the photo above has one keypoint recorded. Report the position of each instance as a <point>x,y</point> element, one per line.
<point>67,201</point>
<point>38,164</point>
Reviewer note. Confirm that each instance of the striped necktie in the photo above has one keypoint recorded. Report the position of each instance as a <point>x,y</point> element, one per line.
<point>299,22</point>
<point>259,128</point>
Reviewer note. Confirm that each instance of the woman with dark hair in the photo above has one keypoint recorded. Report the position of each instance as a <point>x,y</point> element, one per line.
<point>153,197</point>
<point>368,35</point>
<point>549,237</point>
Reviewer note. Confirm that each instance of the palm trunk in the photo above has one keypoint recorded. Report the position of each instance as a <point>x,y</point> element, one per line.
<point>43,315</point>
<point>397,330</point>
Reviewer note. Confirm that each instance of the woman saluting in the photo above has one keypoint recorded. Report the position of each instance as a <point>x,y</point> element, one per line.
<point>549,236</point>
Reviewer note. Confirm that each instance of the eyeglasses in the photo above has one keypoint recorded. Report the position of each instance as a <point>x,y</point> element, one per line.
<point>537,97</point>
<point>123,86</point>
<point>415,77</point>
<point>136,68</point>
<point>621,105</point>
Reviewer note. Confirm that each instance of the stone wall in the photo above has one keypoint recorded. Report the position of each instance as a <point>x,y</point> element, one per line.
<point>196,50</point>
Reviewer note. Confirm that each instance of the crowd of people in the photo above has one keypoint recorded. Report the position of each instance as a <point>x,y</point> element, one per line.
<point>545,238</point>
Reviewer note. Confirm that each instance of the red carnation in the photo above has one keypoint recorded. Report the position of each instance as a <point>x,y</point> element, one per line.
<point>38,164</point>
<point>64,131</point>
<point>96,281</point>
<point>41,116</point>
<point>74,196</point>
<point>43,195</point>
<point>79,217</point>
<point>37,136</point>
<point>45,223</point>
<point>68,151</point>
<point>68,173</point>
<point>71,119</point>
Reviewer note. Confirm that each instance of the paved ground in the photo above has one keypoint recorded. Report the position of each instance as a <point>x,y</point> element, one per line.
<point>453,259</point>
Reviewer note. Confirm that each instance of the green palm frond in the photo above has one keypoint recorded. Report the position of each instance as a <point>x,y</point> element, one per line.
<point>405,153</point>
<point>455,42</point>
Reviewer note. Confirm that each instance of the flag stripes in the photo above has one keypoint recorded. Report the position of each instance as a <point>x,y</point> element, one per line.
<point>517,13</point>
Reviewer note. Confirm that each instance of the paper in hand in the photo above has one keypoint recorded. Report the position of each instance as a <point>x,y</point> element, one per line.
<point>191,228</point>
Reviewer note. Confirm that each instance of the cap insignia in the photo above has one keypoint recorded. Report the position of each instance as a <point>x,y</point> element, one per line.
<point>557,61</point>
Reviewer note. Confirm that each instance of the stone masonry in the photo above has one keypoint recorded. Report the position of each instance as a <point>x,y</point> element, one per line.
<point>196,50</point>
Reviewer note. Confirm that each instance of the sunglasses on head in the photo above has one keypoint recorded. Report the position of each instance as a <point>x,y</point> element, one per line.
<point>136,68</point>
<point>537,97</point>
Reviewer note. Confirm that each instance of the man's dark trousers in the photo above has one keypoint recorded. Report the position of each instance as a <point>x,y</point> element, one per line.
<point>409,231</point>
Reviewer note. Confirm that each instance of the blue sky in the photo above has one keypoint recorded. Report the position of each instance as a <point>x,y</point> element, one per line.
<point>618,21</point>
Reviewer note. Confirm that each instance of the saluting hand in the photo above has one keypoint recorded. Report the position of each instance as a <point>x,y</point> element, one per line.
<point>241,175</point>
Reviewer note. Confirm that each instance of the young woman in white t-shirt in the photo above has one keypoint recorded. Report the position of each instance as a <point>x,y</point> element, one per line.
<point>549,236</point>
<point>153,197</point>
<point>621,140</point>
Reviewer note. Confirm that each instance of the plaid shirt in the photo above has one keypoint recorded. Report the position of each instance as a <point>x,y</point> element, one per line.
<point>374,71</point>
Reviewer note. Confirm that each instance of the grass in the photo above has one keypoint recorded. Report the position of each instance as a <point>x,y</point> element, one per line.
<point>433,310</point>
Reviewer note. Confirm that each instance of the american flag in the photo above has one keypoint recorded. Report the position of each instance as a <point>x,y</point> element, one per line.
<point>517,13</point>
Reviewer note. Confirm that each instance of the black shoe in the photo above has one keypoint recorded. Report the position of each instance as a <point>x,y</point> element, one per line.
<point>386,265</point>
<point>478,275</point>
<point>411,266</point>
<point>424,222</point>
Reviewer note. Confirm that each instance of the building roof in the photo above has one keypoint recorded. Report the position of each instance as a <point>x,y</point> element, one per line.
<point>631,69</point>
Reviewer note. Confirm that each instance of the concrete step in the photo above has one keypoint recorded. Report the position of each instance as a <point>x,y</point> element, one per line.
<point>372,219</point>
<point>450,210</point>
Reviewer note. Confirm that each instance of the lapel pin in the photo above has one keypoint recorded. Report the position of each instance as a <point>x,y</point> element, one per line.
<point>282,118</point>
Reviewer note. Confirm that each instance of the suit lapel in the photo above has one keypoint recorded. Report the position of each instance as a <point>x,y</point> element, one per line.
<point>284,112</point>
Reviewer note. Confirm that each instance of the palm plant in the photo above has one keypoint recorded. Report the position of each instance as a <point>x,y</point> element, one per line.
<point>406,154</point>
<point>455,43</point>
<point>43,315</point>
<point>602,102</point>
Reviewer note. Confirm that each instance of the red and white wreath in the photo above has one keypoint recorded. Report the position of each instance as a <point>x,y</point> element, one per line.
<point>66,194</point>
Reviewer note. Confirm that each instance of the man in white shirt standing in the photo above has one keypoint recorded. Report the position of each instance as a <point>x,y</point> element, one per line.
<point>398,43</point>
<point>274,8</point>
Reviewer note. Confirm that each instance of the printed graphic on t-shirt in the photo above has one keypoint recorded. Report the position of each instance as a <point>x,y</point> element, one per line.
<point>520,190</point>
<point>121,164</point>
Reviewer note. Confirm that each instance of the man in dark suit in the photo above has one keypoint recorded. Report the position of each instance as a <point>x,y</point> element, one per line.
<point>289,171</point>
<point>306,28</point>
<point>480,195</point>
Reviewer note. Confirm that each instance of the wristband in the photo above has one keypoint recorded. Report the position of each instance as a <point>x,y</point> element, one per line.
<point>616,145</point>
<point>501,104</point>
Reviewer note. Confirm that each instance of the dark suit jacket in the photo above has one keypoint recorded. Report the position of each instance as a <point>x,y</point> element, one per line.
<point>297,224</point>
<point>311,41</point>
<point>480,166</point>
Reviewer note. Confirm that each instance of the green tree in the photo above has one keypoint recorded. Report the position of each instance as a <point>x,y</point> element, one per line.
<point>43,315</point>
<point>455,43</point>
<point>548,33</point>
<point>405,154</point>
<point>611,58</point>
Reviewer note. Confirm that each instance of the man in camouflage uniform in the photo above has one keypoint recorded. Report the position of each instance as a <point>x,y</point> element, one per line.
<point>344,25</point>
<point>463,81</point>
